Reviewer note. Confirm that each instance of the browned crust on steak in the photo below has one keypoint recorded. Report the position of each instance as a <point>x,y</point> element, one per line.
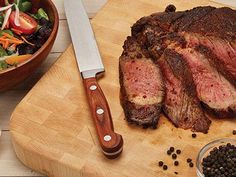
<point>220,22</point>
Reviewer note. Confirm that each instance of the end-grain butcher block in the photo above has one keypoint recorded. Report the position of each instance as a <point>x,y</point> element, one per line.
<point>183,63</point>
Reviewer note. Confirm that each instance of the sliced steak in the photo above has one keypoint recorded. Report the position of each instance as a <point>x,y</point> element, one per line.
<point>196,52</point>
<point>141,85</point>
<point>217,93</point>
<point>222,53</point>
<point>181,104</point>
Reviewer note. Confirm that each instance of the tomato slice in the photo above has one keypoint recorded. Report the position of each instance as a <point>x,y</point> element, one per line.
<point>28,25</point>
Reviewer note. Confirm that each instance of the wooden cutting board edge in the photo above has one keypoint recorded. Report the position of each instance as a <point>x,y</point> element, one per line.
<point>47,161</point>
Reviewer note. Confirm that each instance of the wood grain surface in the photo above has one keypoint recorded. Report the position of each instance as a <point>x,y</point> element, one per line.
<point>53,132</point>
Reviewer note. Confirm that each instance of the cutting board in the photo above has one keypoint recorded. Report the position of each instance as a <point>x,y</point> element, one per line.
<point>53,132</point>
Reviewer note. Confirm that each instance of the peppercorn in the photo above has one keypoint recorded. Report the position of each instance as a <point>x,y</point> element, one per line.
<point>161,164</point>
<point>176,173</point>
<point>178,151</point>
<point>189,160</point>
<point>174,156</point>
<point>165,167</point>
<point>234,132</point>
<point>191,164</point>
<point>194,135</point>
<point>169,152</point>
<point>170,8</point>
<point>172,149</point>
<point>176,163</point>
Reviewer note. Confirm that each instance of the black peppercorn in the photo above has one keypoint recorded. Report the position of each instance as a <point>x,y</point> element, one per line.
<point>189,160</point>
<point>174,156</point>
<point>169,152</point>
<point>194,135</point>
<point>178,151</point>
<point>176,163</point>
<point>234,132</point>
<point>170,8</point>
<point>161,164</point>
<point>191,164</point>
<point>172,149</point>
<point>165,167</point>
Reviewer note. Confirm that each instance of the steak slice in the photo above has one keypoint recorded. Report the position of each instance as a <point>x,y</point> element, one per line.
<point>216,92</point>
<point>141,85</point>
<point>223,53</point>
<point>181,104</point>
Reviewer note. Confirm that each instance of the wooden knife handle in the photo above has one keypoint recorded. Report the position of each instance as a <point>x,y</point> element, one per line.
<point>111,142</point>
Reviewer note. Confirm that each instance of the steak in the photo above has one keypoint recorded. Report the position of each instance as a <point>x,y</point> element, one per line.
<point>141,85</point>
<point>216,92</point>
<point>181,104</point>
<point>195,51</point>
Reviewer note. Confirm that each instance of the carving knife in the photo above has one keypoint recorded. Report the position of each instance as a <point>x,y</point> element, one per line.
<point>90,65</point>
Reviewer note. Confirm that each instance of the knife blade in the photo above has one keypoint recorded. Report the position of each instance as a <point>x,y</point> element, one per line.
<point>90,64</point>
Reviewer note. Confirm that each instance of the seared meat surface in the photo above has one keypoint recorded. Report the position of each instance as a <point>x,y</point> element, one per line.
<point>186,64</point>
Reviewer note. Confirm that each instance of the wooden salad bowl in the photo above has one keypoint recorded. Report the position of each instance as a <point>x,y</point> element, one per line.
<point>14,75</point>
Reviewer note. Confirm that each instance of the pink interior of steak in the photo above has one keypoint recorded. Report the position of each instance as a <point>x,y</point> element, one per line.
<point>142,81</point>
<point>212,88</point>
<point>225,51</point>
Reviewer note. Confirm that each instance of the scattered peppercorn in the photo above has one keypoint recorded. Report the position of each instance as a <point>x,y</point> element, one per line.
<point>234,132</point>
<point>194,135</point>
<point>191,164</point>
<point>178,151</point>
<point>221,161</point>
<point>169,152</point>
<point>189,160</point>
<point>176,163</point>
<point>161,164</point>
<point>172,149</point>
<point>174,156</point>
<point>176,173</point>
<point>165,167</point>
<point>170,8</point>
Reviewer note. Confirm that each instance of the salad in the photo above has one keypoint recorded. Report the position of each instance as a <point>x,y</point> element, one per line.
<point>23,30</point>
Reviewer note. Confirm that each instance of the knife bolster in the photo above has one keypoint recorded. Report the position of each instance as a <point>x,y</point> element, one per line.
<point>91,73</point>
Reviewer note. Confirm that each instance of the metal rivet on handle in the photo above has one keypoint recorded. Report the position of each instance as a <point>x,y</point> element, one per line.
<point>107,138</point>
<point>93,87</point>
<point>100,111</point>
